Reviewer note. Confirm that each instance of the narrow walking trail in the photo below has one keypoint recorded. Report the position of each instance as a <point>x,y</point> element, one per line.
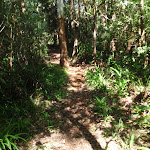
<point>78,128</point>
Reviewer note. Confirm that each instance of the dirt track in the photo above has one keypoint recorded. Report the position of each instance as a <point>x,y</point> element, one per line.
<point>78,128</point>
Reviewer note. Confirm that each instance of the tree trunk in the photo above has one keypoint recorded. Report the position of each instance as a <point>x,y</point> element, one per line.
<point>22,3</point>
<point>11,48</point>
<point>73,26</point>
<point>94,35</point>
<point>104,22</point>
<point>113,47</point>
<point>62,44</point>
<point>62,36</point>
<point>85,5</point>
<point>142,26</point>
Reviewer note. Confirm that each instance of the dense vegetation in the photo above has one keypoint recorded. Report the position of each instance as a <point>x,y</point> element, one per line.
<point>114,35</point>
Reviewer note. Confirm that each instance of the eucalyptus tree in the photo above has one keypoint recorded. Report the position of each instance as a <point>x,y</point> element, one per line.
<point>94,31</point>
<point>142,25</point>
<point>74,5</point>
<point>62,35</point>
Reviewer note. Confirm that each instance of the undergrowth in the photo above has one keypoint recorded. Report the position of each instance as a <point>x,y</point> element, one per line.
<point>24,101</point>
<point>115,84</point>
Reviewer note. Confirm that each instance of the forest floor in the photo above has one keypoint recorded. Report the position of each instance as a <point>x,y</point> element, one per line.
<point>77,127</point>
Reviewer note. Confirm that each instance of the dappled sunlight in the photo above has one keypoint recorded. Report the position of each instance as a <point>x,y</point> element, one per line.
<point>123,109</point>
<point>77,79</point>
<point>74,75</point>
<point>80,117</point>
<point>69,122</point>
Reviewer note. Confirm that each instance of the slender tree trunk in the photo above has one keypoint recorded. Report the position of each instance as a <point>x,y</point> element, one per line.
<point>84,3</point>
<point>147,41</point>
<point>75,26</point>
<point>142,26</point>
<point>142,41</point>
<point>11,60</point>
<point>22,3</point>
<point>94,35</point>
<point>78,20</point>
<point>11,48</point>
<point>104,22</point>
<point>20,34</point>
<point>62,36</point>
<point>113,41</point>
<point>73,29</point>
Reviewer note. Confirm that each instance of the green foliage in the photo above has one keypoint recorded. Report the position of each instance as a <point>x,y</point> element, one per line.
<point>85,53</point>
<point>33,81</point>
<point>96,78</point>
<point>102,107</point>
<point>15,126</point>
<point>121,79</point>
<point>7,141</point>
<point>25,77</point>
<point>116,79</point>
<point>112,83</point>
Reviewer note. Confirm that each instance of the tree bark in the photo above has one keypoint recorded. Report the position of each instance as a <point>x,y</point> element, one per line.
<point>104,22</point>
<point>62,35</point>
<point>142,26</point>
<point>94,35</point>
<point>73,26</point>
<point>11,48</point>
<point>22,4</point>
<point>62,44</point>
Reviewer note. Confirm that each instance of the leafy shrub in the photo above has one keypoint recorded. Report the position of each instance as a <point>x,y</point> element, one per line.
<point>27,82</point>
<point>96,78</point>
<point>140,61</point>
<point>15,125</point>
<point>111,83</point>
<point>85,53</point>
<point>101,106</point>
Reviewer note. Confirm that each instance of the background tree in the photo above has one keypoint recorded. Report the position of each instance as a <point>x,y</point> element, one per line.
<point>142,28</point>
<point>74,9</point>
<point>94,32</point>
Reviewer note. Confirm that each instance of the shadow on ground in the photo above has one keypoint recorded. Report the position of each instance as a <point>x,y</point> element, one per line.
<point>72,115</point>
<point>64,105</point>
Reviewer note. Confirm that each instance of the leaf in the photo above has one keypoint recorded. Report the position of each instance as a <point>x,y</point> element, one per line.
<point>148,125</point>
<point>3,145</point>
<point>14,146</point>
<point>145,148</point>
<point>138,120</point>
<point>132,140</point>
<point>8,143</point>
<point>115,70</point>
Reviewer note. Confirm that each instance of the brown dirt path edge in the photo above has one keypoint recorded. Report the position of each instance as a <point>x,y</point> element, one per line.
<point>78,128</point>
